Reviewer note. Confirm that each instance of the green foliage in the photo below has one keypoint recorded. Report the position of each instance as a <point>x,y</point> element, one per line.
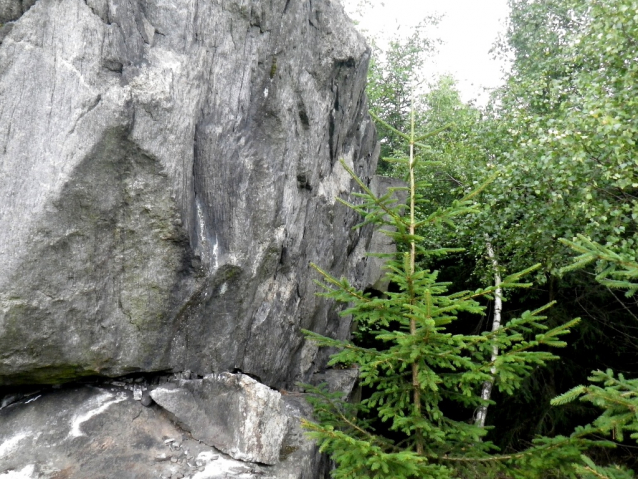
<point>554,157</point>
<point>422,368</point>
<point>563,131</point>
<point>569,115</point>
<point>391,83</point>
<point>616,396</point>
<point>589,470</point>
<point>615,269</point>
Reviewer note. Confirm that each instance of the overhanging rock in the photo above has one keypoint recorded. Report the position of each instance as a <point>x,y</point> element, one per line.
<point>168,172</point>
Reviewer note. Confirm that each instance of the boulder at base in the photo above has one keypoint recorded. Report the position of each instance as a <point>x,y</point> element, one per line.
<point>232,412</point>
<point>100,431</point>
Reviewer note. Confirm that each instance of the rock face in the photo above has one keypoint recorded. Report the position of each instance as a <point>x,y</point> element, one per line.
<point>231,412</point>
<point>100,432</point>
<point>168,172</point>
<point>12,9</point>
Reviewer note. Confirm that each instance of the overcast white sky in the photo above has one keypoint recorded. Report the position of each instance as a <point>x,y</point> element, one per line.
<point>469,29</point>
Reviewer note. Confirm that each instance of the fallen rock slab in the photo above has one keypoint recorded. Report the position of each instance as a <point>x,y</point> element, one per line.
<point>231,412</point>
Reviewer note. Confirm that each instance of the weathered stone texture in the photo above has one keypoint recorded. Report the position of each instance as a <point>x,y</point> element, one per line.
<point>11,10</point>
<point>101,432</point>
<point>168,171</point>
<point>231,412</point>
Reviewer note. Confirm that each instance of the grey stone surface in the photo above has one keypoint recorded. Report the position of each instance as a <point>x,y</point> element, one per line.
<point>374,277</point>
<point>11,10</point>
<point>338,380</point>
<point>167,172</point>
<point>231,412</point>
<point>101,432</point>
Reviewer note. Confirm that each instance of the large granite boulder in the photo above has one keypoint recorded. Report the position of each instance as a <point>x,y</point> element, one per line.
<point>168,170</point>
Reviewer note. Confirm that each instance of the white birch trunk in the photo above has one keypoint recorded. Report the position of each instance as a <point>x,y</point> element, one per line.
<point>486,392</point>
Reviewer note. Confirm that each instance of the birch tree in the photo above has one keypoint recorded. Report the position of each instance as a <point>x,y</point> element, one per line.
<point>486,391</point>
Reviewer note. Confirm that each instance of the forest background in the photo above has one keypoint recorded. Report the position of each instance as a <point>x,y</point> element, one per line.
<point>543,180</point>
